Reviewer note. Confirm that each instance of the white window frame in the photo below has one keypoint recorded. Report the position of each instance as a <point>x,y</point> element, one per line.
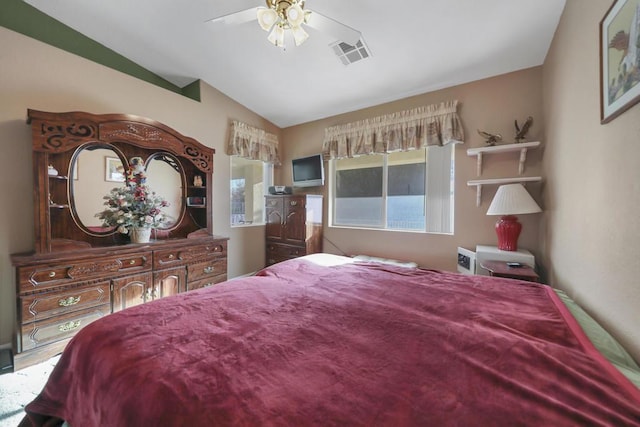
<point>433,209</point>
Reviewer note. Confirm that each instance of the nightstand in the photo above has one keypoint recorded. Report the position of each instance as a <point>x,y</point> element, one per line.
<point>501,269</point>
<point>492,253</point>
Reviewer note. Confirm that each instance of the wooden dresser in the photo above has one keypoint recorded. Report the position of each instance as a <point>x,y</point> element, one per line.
<point>293,226</point>
<point>60,293</point>
<point>81,269</point>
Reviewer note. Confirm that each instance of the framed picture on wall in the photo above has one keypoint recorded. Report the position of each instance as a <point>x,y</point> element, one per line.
<point>114,170</point>
<point>619,59</point>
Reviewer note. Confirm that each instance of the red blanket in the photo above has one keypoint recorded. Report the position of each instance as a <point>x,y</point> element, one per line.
<point>358,344</point>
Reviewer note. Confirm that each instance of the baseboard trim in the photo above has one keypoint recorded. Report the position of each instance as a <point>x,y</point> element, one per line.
<point>3,346</point>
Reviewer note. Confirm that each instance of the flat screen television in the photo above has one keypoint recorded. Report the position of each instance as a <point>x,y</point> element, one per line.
<point>308,171</point>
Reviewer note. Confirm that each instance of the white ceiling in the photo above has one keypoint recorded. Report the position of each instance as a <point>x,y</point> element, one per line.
<point>417,46</point>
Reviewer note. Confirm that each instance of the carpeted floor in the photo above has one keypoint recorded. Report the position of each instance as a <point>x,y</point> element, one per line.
<point>19,388</point>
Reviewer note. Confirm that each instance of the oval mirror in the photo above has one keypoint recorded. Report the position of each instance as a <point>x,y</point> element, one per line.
<point>164,176</point>
<point>94,171</point>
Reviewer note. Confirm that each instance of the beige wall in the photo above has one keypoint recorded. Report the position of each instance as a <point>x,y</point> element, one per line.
<point>592,196</point>
<point>491,105</point>
<point>36,75</point>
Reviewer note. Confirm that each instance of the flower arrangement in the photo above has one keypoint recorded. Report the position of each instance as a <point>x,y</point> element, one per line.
<point>134,205</point>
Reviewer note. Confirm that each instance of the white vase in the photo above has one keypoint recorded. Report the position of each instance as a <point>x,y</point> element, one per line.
<point>140,235</point>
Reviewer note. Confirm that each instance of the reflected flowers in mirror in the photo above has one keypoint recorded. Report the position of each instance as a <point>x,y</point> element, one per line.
<point>133,206</point>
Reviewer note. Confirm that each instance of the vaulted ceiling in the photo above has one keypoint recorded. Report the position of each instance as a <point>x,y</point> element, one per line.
<point>415,46</point>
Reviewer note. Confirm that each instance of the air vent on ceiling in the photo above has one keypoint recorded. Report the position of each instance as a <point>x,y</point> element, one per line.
<point>348,54</point>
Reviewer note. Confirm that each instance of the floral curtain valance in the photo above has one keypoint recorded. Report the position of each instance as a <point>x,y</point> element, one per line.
<point>252,143</point>
<point>401,131</point>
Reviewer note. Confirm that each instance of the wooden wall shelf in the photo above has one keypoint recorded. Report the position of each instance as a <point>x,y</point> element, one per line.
<point>478,183</point>
<point>506,148</point>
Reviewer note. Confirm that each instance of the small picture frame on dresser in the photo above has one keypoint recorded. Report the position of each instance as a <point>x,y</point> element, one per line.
<point>197,202</point>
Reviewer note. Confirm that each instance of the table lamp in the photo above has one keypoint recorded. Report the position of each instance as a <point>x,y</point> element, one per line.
<point>511,200</point>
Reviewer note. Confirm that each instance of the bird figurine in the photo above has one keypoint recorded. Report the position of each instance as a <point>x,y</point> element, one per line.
<point>490,139</point>
<point>522,131</point>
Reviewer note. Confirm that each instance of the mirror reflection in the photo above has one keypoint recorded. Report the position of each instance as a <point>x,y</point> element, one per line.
<point>97,169</point>
<point>93,173</point>
<point>164,176</point>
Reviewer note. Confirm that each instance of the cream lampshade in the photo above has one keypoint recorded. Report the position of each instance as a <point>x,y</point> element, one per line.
<point>511,200</point>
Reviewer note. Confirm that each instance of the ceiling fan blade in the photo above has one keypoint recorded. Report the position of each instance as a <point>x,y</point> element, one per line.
<point>236,18</point>
<point>330,26</point>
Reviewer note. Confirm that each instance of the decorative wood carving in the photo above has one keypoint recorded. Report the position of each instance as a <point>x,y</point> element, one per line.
<point>61,137</point>
<point>58,137</point>
<point>87,270</point>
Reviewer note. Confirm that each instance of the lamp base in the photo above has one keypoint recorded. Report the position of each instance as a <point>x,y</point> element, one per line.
<point>508,230</point>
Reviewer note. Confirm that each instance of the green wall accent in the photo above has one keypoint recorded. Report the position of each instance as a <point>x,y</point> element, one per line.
<point>192,90</point>
<point>23,18</point>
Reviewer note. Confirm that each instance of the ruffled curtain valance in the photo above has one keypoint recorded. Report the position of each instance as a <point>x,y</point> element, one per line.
<point>252,143</point>
<point>401,131</point>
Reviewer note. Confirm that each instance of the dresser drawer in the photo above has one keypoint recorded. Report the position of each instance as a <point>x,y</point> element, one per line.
<point>173,257</point>
<point>212,250</point>
<point>204,269</point>
<point>41,306</point>
<point>167,258</point>
<point>206,282</point>
<point>135,262</point>
<point>36,334</point>
<point>278,252</point>
<point>47,276</point>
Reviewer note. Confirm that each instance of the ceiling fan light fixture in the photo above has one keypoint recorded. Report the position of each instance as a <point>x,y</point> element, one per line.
<point>267,18</point>
<point>281,16</point>
<point>295,15</point>
<point>276,35</point>
<point>299,35</point>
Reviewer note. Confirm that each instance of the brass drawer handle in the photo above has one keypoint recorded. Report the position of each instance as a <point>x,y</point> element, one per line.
<point>208,269</point>
<point>170,256</point>
<point>68,302</point>
<point>52,274</point>
<point>149,294</point>
<point>132,262</point>
<point>208,284</point>
<point>69,326</point>
<point>293,203</point>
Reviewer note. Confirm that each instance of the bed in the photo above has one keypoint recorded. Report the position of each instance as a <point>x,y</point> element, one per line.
<point>331,340</point>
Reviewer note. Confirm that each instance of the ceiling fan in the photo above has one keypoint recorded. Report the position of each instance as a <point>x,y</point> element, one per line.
<point>282,16</point>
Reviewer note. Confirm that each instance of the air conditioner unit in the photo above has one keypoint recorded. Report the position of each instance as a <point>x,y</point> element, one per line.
<point>466,261</point>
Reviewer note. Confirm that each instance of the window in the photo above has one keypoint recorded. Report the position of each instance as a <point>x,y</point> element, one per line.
<point>411,190</point>
<point>250,180</point>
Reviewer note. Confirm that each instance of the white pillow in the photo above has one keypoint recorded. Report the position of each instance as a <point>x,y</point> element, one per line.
<point>367,258</point>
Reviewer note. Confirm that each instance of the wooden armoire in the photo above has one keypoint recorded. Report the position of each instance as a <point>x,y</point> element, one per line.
<point>294,226</point>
